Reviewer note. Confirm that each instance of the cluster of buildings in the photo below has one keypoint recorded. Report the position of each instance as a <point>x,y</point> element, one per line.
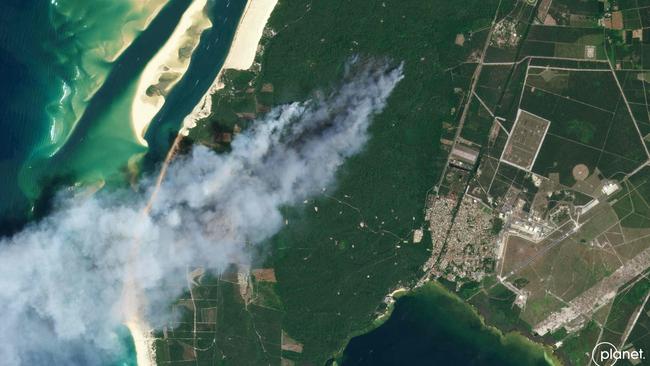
<point>464,245</point>
<point>632,30</point>
<point>439,217</point>
<point>505,34</point>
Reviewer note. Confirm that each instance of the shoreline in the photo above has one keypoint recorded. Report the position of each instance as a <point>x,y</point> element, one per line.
<point>144,346</point>
<point>166,68</point>
<point>63,125</point>
<point>241,55</point>
<point>463,312</point>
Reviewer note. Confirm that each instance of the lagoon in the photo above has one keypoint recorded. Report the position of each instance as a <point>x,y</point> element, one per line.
<point>432,326</point>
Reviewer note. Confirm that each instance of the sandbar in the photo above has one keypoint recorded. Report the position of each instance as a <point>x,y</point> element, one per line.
<point>241,54</point>
<point>167,67</point>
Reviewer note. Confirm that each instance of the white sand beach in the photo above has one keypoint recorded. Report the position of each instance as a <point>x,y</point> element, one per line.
<point>240,56</point>
<point>167,67</point>
<point>249,33</point>
<point>138,327</point>
<point>145,353</point>
<point>131,305</point>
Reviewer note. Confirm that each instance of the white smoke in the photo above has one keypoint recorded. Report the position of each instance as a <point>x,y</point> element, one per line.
<point>61,279</point>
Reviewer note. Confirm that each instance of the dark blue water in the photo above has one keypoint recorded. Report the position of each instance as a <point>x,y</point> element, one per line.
<point>126,69</point>
<point>432,327</point>
<point>31,82</point>
<point>25,89</point>
<point>206,63</point>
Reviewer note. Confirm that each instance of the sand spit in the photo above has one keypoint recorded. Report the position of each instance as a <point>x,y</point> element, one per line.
<point>248,34</point>
<point>145,352</point>
<point>167,67</point>
<point>240,56</point>
<point>102,44</point>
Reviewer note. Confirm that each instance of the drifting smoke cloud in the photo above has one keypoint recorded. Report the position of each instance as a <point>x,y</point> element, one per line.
<point>61,280</point>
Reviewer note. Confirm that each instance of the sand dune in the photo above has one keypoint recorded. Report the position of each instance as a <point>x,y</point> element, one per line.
<point>167,67</point>
<point>143,343</point>
<point>240,56</point>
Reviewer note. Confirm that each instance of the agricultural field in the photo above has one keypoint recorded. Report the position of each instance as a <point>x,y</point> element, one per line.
<point>567,43</point>
<point>233,318</point>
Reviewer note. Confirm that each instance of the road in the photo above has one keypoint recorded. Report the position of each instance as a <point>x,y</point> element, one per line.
<point>470,93</point>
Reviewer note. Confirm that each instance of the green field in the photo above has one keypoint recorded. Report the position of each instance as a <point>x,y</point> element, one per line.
<point>495,303</point>
<point>584,133</point>
<point>627,301</point>
<point>577,347</point>
<point>632,205</point>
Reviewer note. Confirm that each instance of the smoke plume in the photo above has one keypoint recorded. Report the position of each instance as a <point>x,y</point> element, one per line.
<point>61,279</point>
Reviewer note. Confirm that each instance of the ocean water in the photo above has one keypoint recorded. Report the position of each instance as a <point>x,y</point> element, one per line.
<point>127,355</point>
<point>25,91</point>
<point>206,63</point>
<point>54,56</point>
<point>69,74</point>
<point>70,70</point>
<point>433,327</point>
<point>84,49</point>
<point>102,142</point>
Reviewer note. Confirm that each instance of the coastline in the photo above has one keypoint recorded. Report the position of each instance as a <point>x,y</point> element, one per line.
<point>98,59</point>
<point>434,295</point>
<point>144,346</point>
<point>166,68</point>
<point>241,55</point>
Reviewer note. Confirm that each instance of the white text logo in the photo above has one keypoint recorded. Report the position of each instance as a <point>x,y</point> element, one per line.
<point>606,354</point>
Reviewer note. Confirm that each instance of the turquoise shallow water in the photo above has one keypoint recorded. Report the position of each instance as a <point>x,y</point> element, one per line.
<point>59,96</point>
<point>83,51</point>
<point>54,56</point>
<point>102,140</point>
<point>127,356</point>
<point>65,97</point>
<point>206,63</point>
